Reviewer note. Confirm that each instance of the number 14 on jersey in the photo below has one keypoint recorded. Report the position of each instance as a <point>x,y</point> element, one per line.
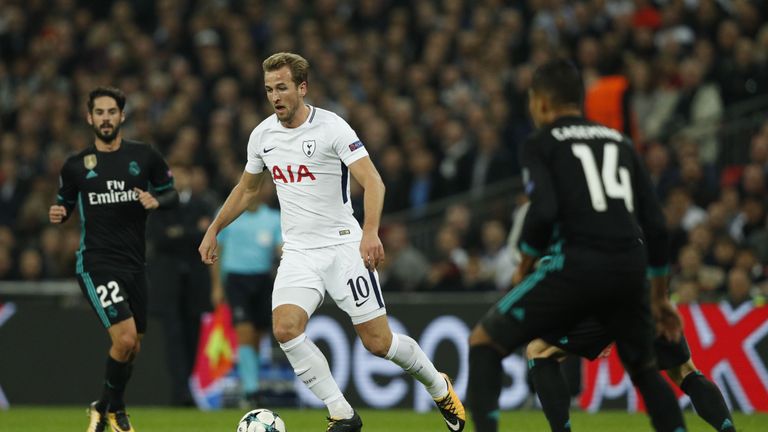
<point>615,181</point>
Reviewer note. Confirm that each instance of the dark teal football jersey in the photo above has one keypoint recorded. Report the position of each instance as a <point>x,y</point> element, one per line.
<point>101,186</point>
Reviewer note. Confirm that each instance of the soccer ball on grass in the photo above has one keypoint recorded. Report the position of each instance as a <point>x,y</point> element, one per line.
<point>261,420</point>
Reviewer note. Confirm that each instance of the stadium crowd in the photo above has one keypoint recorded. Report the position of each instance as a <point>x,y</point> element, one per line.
<point>436,90</point>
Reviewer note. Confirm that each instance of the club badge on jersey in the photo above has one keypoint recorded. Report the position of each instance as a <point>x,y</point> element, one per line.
<point>309,147</point>
<point>90,161</point>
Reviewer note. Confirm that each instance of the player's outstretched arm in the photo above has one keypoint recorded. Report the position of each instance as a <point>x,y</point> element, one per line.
<point>371,249</point>
<point>245,192</point>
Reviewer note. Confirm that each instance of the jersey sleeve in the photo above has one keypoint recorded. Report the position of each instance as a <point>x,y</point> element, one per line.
<point>160,176</point>
<point>542,213</point>
<point>346,144</point>
<point>651,219</point>
<point>254,164</point>
<point>67,195</point>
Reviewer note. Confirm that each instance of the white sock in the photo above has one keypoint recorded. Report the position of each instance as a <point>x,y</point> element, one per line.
<point>312,368</point>
<point>407,354</point>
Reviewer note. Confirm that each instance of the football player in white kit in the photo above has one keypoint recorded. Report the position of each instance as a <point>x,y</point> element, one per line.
<point>310,153</point>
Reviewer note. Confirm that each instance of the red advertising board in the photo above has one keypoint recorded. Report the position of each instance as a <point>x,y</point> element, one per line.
<point>724,346</point>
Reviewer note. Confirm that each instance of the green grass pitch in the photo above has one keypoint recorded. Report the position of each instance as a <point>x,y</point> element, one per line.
<point>65,419</point>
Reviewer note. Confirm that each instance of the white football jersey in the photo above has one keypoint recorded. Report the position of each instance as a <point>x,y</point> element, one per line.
<point>308,165</point>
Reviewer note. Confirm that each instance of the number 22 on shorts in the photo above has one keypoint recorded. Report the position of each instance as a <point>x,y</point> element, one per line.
<point>111,290</point>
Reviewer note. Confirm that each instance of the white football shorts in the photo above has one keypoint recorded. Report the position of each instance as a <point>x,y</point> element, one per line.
<point>306,275</point>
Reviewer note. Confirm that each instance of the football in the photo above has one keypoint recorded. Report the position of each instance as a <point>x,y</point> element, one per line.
<point>261,420</point>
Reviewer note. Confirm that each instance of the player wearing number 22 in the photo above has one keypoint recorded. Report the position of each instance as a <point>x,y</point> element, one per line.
<point>310,153</point>
<point>113,184</point>
<point>595,227</point>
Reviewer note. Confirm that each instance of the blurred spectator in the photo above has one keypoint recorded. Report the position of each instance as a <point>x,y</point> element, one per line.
<point>13,192</point>
<point>449,263</point>
<point>458,217</point>
<point>723,253</point>
<point>31,265</point>
<point>718,218</point>
<point>454,145</point>
<point>487,163</point>
<point>700,237</point>
<point>693,178</point>
<point>741,76</point>
<point>699,106</point>
<point>474,276</point>
<point>746,259</point>
<point>657,162</point>
<point>51,253</point>
<point>685,291</point>
<point>682,210</point>
<point>750,219</point>
<point>6,264</point>
<point>405,269</point>
<point>394,174</point>
<point>496,259</point>
<point>423,186</point>
<point>753,182</point>
<point>606,100</point>
<point>739,288</point>
<point>691,267</point>
<point>650,103</point>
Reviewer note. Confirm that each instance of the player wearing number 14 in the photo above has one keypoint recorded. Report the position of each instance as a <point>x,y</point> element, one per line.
<point>595,227</point>
<point>107,184</point>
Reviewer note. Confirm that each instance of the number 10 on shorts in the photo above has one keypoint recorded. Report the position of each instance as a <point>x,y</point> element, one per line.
<point>361,290</point>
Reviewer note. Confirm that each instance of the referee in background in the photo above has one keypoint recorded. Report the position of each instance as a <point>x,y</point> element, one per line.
<point>243,277</point>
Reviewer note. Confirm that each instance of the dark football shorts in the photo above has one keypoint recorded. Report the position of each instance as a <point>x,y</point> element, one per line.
<point>250,298</point>
<point>588,339</point>
<point>115,296</point>
<point>563,292</point>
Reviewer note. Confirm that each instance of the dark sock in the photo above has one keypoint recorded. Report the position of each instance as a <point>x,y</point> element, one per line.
<point>571,369</point>
<point>708,401</point>
<point>115,381</point>
<point>660,400</point>
<point>484,387</point>
<point>549,383</point>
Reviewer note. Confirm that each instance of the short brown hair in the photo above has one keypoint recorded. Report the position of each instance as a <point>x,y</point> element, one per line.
<point>299,65</point>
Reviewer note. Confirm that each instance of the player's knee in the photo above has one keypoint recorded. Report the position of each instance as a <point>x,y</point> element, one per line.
<point>536,349</point>
<point>377,345</point>
<point>286,330</point>
<point>136,350</point>
<point>479,336</point>
<point>678,373</point>
<point>126,343</point>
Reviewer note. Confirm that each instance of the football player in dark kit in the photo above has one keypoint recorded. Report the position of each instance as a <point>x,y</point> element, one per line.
<point>593,208</point>
<point>113,184</point>
<point>589,339</point>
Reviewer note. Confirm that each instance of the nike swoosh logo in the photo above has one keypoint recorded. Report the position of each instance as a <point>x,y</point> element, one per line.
<point>269,149</point>
<point>452,426</point>
<point>362,302</point>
